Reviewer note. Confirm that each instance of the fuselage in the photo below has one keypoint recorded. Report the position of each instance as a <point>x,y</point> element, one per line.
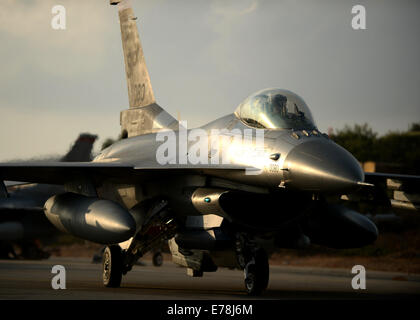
<point>299,159</point>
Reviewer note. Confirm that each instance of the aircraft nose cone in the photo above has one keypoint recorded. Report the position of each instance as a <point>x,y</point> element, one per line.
<point>323,166</point>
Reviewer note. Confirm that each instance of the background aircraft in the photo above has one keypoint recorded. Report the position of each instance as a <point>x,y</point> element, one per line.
<point>22,220</point>
<point>214,215</point>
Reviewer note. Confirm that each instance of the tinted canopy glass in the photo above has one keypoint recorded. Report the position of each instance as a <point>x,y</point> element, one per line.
<point>275,109</point>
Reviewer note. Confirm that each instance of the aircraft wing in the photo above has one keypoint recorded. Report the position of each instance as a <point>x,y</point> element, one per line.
<point>377,176</point>
<point>64,172</point>
<point>21,204</point>
<point>14,183</point>
<point>400,191</point>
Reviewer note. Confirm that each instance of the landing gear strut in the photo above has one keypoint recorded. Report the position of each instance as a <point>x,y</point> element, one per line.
<point>112,266</point>
<point>254,262</point>
<point>157,227</point>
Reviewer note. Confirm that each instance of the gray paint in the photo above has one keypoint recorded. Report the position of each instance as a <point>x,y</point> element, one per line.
<point>127,174</point>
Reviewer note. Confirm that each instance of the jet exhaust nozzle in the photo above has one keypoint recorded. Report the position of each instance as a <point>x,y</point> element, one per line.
<point>89,218</point>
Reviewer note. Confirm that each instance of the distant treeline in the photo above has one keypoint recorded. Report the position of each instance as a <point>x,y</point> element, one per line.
<point>397,148</point>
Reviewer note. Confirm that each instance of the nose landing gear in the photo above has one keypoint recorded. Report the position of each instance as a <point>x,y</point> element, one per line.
<point>157,259</point>
<point>256,273</point>
<point>254,262</point>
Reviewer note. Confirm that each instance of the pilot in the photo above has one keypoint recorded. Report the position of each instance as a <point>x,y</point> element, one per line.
<point>279,105</point>
<point>299,113</point>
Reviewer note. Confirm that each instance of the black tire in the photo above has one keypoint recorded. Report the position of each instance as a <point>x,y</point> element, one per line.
<point>157,259</point>
<point>112,266</point>
<point>258,274</point>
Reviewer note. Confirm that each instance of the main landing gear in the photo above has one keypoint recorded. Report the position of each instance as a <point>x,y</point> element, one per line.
<point>159,227</point>
<point>112,266</point>
<point>254,261</point>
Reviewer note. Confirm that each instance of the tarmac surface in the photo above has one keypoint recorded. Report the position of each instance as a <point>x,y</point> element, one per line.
<point>32,280</point>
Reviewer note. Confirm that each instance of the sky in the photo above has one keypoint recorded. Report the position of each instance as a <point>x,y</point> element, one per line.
<point>204,58</point>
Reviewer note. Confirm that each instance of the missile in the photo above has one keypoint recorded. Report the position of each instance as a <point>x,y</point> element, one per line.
<point>90,218</point>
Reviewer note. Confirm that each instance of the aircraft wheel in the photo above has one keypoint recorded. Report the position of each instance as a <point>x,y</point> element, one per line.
<point>257,274</point>
<point>112,263</point>
<point>157,259</point>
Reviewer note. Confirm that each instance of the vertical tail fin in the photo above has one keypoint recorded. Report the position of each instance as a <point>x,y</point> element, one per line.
<point>82,149</point>
<point>140,91</point>
<point>144,115</point>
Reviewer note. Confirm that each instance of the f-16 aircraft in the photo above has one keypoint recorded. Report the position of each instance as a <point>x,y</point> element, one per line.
<point>22,220</point>
<point>149,186</point>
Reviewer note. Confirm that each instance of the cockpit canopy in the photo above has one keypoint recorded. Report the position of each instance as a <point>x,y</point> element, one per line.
<point>275,109</point>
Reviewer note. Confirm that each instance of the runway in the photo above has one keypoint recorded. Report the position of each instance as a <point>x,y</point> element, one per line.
<point>32,280</point>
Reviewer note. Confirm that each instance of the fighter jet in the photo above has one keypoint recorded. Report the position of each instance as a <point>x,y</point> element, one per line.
<point>22,220</point>
<point>263,178</point>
